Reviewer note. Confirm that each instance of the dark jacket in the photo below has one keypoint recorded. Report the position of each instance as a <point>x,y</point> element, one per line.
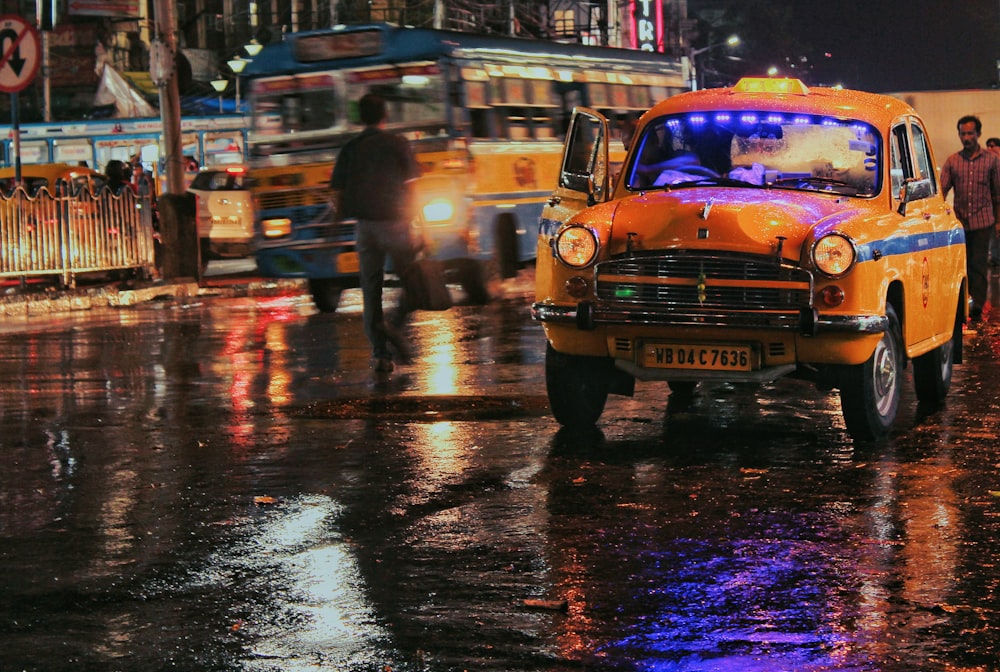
<point>370,175</point>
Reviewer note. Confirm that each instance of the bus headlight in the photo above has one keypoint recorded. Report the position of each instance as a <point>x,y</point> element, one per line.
<point>576,246</point>
<point>834,255</point>
<point>276,228</point>
<point>438,210</point>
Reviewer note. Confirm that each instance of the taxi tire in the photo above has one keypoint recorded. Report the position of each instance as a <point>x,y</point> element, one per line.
<point>325,294</point>
<point>932,373</point>
<point>578,387</point>
<point>870,392</point>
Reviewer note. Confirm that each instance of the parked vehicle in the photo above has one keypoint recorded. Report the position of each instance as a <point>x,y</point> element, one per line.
<point>755,232</point>
<point>47,175</point>
<point>61,222</point>
<point>224,212</point>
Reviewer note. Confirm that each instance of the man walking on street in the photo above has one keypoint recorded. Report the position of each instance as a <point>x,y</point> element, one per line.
<point>974,173</point>
<point>370,181</point>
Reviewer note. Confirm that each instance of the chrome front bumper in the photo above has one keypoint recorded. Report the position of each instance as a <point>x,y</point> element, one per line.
<point>809,322</point>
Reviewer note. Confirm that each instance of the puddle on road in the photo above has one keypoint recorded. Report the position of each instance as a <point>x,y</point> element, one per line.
<point>410,408</point>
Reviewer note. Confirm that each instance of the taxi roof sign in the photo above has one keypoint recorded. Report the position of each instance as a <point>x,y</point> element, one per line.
<point>771,85</point>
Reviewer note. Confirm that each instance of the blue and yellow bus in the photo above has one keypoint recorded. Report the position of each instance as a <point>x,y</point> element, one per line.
<point>208,140</point>
<point>485,115</point>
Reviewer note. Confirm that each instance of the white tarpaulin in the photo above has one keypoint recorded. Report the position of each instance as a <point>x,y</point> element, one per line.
<point>115,89</point>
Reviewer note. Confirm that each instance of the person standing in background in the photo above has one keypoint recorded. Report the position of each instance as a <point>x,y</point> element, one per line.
<point>974,174</point>
<point>993,144</point>
<point>371,183</point>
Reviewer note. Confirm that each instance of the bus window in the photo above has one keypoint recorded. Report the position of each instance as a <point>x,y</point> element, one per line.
<point>314,110</point>
<point>415,100</point>
<point>291,114</point>
<point>619,96</point>
<point>543,126</point>
<point>475,95</point>
<point>597,94</point>
<point>480,122</point>
<point>121,148</point>
<point>542,94</point>
<point>35,152</point>
<point>73,151</point>
<point>223,148</point>
<point>479,109</point>
<point>191,146</point>
<point>639,98</point>
<point>268,118</point>
<point>297,105</point>
<point>525,107</point>
<point>515,91</point>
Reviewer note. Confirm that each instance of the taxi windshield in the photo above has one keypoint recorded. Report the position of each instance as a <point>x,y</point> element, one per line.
<point>755,149</point>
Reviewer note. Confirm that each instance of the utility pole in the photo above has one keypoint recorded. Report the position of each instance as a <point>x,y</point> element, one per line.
<point>178,230</point>
<point>163,65</point>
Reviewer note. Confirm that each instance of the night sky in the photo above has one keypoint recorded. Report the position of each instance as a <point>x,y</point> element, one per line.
<point>877,45</point>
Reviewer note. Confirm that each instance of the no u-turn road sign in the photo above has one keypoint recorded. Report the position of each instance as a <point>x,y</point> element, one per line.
<point>20,53</point>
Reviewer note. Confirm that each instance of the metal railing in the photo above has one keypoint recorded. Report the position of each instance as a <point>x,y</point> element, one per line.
<point>63,234</point>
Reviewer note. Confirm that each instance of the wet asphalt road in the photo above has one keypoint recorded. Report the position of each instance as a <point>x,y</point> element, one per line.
<point>221,484</point>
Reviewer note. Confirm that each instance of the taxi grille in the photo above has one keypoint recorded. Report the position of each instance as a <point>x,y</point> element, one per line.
<point>680,280</point>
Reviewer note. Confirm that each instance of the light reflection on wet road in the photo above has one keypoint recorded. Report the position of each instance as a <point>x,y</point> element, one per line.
<point>221,485</point>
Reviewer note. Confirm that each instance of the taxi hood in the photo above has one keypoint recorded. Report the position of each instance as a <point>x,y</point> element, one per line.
<point>739,220</point>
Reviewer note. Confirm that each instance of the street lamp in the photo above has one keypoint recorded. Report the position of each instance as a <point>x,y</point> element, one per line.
<point>219,85</point>
<point>252,47</point>
<point>731,41</point>
<point>236,65</point>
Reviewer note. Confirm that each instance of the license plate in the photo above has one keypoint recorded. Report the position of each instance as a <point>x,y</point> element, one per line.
<point>697,357</point>
<point>347,262</point>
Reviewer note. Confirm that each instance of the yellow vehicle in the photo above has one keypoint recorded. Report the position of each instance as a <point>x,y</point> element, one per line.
<point>48,175</point>
<point>61,221</point>
<point>764,230</point>
<point>485,116</point>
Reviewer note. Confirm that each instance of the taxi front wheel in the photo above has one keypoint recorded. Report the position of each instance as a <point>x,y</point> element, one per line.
<point>870,392</point>
<point>578,387</point>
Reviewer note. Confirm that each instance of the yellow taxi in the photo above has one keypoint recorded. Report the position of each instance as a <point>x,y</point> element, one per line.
<point>35,177</point>
<point>765,230</point>
<point>224,211</point>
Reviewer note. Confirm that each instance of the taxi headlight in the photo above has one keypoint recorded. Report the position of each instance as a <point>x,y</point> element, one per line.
<point>834,255</point>
<point>576,246</point>
<point>276,228</point>
<point>438,210</point>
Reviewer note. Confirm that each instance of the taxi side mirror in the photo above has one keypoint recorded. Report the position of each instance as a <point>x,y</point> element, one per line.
<point>577,181</point>
<point>586,184</point>
<point>914,189</point>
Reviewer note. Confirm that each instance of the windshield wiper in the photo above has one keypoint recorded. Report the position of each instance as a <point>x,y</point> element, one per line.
<point>812,181</point>
<point>713,182</point>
